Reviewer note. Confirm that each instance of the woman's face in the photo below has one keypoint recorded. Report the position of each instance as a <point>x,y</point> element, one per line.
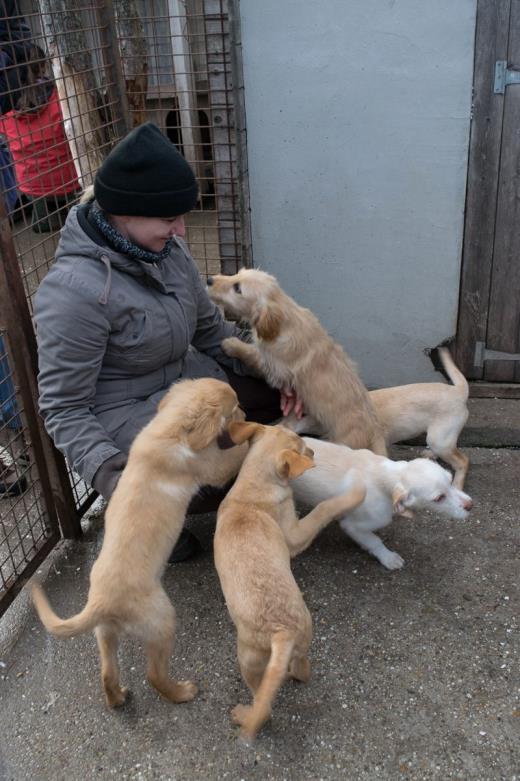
<point>151,233</point>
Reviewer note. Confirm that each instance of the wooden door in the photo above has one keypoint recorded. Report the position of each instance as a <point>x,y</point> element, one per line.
<point>488,334</point>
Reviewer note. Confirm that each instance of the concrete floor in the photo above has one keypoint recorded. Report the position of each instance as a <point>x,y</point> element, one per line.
<point>415,672</point>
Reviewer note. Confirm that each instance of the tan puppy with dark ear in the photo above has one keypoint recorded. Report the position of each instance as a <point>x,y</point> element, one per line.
<point>257,533</point>
<point>176,453</point>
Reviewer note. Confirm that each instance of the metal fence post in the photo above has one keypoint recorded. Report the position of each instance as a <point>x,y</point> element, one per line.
<point>56,488</point>
<point>237,77</point>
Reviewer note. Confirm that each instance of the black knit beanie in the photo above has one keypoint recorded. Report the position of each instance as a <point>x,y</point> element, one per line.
<point>145,176</point>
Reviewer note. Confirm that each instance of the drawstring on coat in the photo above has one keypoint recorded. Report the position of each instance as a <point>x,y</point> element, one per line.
<point>103,298</point>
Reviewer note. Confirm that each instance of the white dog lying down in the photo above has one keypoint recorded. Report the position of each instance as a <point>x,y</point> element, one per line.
<point>392,486</point>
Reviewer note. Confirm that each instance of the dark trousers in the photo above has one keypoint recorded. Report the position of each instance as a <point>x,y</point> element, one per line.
<point>50,212</point>
<point>260,402</point>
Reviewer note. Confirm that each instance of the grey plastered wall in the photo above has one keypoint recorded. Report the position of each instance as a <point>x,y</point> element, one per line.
<point>358,115</point>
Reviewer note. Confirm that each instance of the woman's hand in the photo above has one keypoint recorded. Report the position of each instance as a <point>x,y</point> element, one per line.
<point>290,402</point>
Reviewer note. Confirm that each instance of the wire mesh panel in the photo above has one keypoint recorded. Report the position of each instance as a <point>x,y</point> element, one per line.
<point>26,532</point>
<point>112,66</point>
<point>74,78</point>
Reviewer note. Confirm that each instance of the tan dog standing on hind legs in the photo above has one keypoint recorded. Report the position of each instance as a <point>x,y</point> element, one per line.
<point>292,349</point>
<point>175,454</point>
<point>257,533</point>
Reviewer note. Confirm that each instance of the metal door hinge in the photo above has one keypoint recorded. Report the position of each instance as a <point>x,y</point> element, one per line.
<point>482,354</point>
<point>504,76</point>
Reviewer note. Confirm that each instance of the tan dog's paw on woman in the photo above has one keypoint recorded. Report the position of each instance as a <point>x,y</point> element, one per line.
<point>257,533</point>
<point>292,349</point>
<point>186,445</point>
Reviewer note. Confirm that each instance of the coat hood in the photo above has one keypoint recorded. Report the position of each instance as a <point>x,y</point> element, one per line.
<point>76,243</point>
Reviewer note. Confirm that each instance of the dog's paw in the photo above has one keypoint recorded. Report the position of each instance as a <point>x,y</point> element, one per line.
<point>239,714</point>
<point>243,717</point>
<point>391,560</point>
<point>232,346</point>
<point>116,697</point>
<point>185,691</point>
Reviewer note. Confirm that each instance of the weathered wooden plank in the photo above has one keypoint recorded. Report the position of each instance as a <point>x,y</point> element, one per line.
<point>73,69</point>
<point>494,390</point>
<point>503,331</point>
<point>484,157</point>
<point>185,86</point>
<point>133,59</point>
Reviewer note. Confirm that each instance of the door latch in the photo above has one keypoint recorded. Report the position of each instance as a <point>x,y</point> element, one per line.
<point>504,76</point>
<point>483,354</point>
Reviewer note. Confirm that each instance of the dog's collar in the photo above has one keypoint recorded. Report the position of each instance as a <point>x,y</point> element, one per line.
<point>224,441</point>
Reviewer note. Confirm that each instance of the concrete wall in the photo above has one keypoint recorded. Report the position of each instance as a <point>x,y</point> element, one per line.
<point>358,119</point>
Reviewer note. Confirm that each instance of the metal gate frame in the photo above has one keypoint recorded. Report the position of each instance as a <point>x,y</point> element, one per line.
<point>62,517</point>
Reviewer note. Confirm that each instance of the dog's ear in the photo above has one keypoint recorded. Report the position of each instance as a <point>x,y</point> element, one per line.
<point>268,324</point>
<point>204,427</point>
<point>290,464</point>
<point>240,431</point>
<point>400,499</point>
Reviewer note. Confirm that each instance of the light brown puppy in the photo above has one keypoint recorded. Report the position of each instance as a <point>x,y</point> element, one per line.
<point>406,411</point>
<point>257,533</point>
<point>292,349</point>
<point>176,453</point>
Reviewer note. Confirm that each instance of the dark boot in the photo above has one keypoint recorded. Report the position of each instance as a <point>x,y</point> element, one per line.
<point>186,547</point>
<point>206,501</point>
<point>11,484</point>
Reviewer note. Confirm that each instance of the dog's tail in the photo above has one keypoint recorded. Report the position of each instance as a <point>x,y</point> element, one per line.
<point>282,644</point>
<point>83,622</point>
<point>454,374</point>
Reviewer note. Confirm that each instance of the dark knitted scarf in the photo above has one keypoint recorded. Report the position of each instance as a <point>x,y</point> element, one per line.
<point>118,242</point>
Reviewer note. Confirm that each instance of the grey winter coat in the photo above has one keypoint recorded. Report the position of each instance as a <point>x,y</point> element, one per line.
<point>113,334</point>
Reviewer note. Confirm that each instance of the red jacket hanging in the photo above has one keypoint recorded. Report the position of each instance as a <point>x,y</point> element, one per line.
<point>40,150</point>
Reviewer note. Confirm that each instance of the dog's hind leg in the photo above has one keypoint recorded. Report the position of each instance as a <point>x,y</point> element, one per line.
<point>252,664</point>
<point>300,668</point>
<point>442,441</point>
<point>459,462</point>
<point>107,640</point>
<point>252,717</point>
<point>159,631</point>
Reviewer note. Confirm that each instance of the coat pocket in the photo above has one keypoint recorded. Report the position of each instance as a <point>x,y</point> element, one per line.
<point>132,336</point>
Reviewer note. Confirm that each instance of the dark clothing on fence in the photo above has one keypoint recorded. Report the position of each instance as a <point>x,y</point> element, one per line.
<point>15,45</point>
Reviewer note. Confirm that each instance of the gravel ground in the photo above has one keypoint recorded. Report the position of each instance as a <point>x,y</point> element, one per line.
<point>415,672</point>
